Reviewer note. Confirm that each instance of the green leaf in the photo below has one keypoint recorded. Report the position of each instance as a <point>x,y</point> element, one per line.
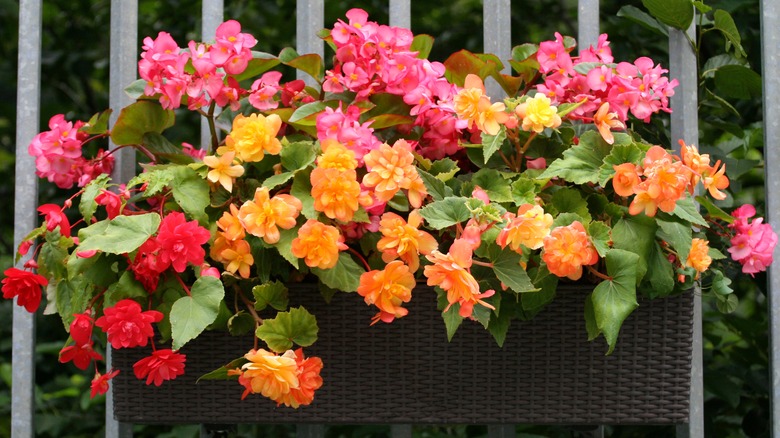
<point>436,187</point>
<point>725,24</point>
<point>307,111</point>
<point>136,89</point>
<point>581,163</point>
<point>675,13</point>
<point>387,120</point>
<point>727,304</point>
<point>506,265</point>
<point>721,285</point>
<point>125,287</point>
<point>311,63</point>
<point>422,44</point>
<point>623,153</point>
<point>139,118</point>
<point>584,68</point>
<point>444,169</point>
<point>73,297</point>
<point>660,274</point>
<point>241,323</point>
<point>87,205</point>
<point>600,236</point>
<point>121,235</point>
<point>713,210</point>
<point>301,189</point>
<point>738,81</point>
<point>460,64</point>
<point>296,326</point>
<point>156,177</point>
<point>687,210</point>
<point>613,300</point>
<point>524,191</point>
<point>492,143</point>
<point>221,373</point>
<point>590,319</point>
<point>345,276</point>
<point>191,192</point>
<point>272,293</point>
<point>570,200</point>
<point>284,245</point>
<point>97,268</point>
<point>524,51</point>
<point>499,325</point>
<point>635,234</point>
<point>452,320</point>
<point>676,233</point>
<point>162,148</point>
<point>276,180</point>
<point>260,63</point>
<point>191,314</point>
<point>97,124</point>
<point>492,182</point>
<point>445,213</point>
<point>298,155</point>
<point>642,18</point>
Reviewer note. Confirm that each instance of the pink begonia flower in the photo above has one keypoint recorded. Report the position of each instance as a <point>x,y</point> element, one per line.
<point>54,217</point>
<point>181,241</point>
<point>754,242</point>
<point>263,90</point>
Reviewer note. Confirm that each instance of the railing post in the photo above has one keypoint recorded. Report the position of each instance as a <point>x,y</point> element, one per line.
<point>310,18</point>
<point>497,32</point>
<point>587,23</point>
<point>401,13</point>
<point>213,12</point>
<point>685,125</point>
<point>122,71</point>
<point>25,201</point>
<point>770,41</point>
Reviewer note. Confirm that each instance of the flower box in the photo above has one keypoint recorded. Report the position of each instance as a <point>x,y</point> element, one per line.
<point>407,372</point>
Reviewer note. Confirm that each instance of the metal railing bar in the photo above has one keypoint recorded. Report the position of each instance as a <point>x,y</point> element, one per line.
<point>310,19</point>
<point>587,23</point>
<point>25,218</point>
<point>401,13</point>
<point>770,41</point>
<point>685,125</point>
<point>497,32</point>
<point>213,12</point>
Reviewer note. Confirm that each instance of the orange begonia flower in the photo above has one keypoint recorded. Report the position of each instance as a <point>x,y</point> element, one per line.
<point>490,117</point>
<point>252,137</point>
<point>388,289</point>
<point>238,257</point>
<point>451,273</point>
<point>263,216</point>
<point>626,179</point>
<point>665,183</point>
<point>336,193</point>
<point>466,101</point>
<point>698,257</point>
<point>528,228</point>
<point>318,244</point>
<point>309,380</point>
<point>223,171</point>
<point>605,121</point>
<point>715,180</point>
<point>567,249</point>
<point>268,374</point>
<point>391,169</point>
<point>336,156</point>
<point>401,239</point>
<point>230,226</point>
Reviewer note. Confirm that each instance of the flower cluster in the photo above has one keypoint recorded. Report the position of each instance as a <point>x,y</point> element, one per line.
<point>392,176</point>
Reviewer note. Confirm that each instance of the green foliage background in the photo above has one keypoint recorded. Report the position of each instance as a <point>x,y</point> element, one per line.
<point>75,82</point>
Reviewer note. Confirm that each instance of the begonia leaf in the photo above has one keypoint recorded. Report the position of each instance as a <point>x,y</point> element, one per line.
<point>241,323</point>
<point>191,314</point>
<point>642,18</point>
<point>676,233</point>
<point>344,276</point>
<point>161,147</point>
<point>296,326</point>
<point>687,210</point>
<point>310,63</point>
<point>139,118</point>
<point>191,192</point>
<point>600,236</point>
<point>492,182</point>
<point>660,273</point>
<point>97,268</point>
<point>570,200</point>
<point>301,189</point>
<point>87,204</point>
<point>156,178</point>
<point>613,300</point>
<point>460,64</point>
<point>276,180</point>
<point>272,294</point>
<point>727,304</point>
<point>721,284</point>
<point>499,324</point>
<point>387,120</point>
<point>422,44</point>
<point>73,296</point>
<point>675,13</point>
<point>621,153</point>
<point>591,327</point>
<point>445,213</point>
<point>284,245</point>
<point>635,234</point>
<point>506,265</point>
<point>306,113</point>
<point>126,287</point>
<point>298,155</point>
<point>524,191</point>
<point>492,143</point>
<point>436,187</point>
<point>98,123</point>
<point>221,373</point>
<point>120,235</point>
<point>580,163</point>
<point>260,63</point>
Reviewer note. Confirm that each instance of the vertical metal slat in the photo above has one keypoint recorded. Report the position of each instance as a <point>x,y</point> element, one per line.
<point>122,71</point>
<point>401,13</point>
<point>587,23</point>
<point>685,125</point>
<point>497,31</point>
<point>310,18</point>
<point>25,202</point>
<point>213,12</point>
<point>770,41</point>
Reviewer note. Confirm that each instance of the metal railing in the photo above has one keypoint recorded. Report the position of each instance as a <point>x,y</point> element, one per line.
<point>310,18</point>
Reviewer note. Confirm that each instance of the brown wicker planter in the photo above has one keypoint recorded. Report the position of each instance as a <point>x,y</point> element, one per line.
<point>406,372</point>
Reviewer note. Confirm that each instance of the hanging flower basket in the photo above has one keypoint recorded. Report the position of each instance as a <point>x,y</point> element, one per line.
<point>407,372</point>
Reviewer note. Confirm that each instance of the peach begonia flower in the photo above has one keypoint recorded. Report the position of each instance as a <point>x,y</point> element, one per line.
<point>626,179</point>
<point>538,113</point>
<point>336,156</point>
<point>402,239</point>
<point>223,171</point>
<point>606,121</point>
<point>309,380</point>
<point>567,249</point>
<point>714,180</point>
<point>230,226</point>
<point>220,244</point>
<point>318,244</point>
<point>528,228</point>
<point>337,193</point>
<point>466,101</point>
<point>268,374</point>
<point>263,216</point>
<point>490,116</point>
<point>698,257</point>
<point>252,137</point>
<point>391,169</point>
<point>451,273</point>
<point>388,289</point>
<point>665,183</point>
<point>238,257</point>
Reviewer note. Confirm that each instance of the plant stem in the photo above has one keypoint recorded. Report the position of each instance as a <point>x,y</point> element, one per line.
<point>186,289</point>
<point>360,256</point>
<point>485,264</point>
<point>598,274</point>
<point>212,127</point>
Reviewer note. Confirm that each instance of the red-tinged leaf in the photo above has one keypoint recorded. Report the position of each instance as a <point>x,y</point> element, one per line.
<point>139,118</point>
<point>310,63</point>
<point>460,64</point>
<point>387,120</point>
<point>260,63</point>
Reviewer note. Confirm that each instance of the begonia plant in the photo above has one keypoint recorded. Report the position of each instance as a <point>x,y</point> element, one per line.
<point>381,175</point>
